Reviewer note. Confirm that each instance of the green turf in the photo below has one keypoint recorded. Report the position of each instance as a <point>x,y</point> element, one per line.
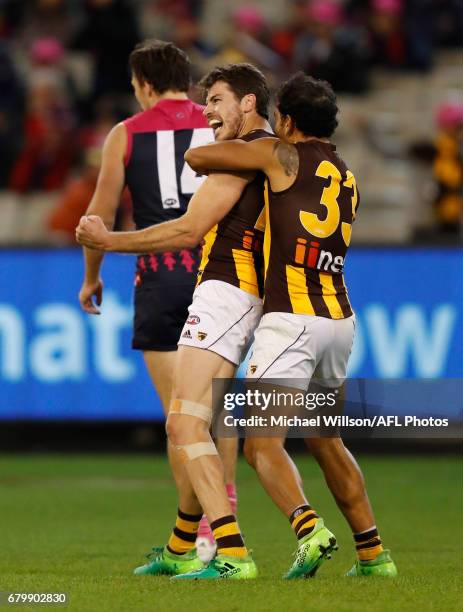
<point>80,525</point>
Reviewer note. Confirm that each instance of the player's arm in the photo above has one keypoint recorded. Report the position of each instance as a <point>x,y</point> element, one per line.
<point>233,155</point>
<point>279,160</point>
<point>211,202</point>
<point>104,203</point>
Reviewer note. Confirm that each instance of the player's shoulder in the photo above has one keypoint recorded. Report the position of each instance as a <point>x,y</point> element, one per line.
<point>139,121</point>
<point>258,134</point>
<point>168,115</point>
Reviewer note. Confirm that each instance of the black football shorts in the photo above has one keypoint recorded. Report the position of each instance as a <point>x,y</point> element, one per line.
<point>160,314</point>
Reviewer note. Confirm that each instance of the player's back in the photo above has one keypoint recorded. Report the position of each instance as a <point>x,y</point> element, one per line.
<point>160,182</point>
<point>307,236</point>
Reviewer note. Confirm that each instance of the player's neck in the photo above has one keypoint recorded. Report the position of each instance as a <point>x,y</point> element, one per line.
<point>250,124</point>
<point>167,95</point>
<point>297,136</point>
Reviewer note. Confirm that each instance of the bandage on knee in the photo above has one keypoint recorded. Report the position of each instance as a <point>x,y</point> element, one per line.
<point>188,452</point>
<point>179,406</point>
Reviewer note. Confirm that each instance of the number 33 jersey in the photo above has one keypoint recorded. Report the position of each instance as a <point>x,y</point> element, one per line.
<point>307,234</point>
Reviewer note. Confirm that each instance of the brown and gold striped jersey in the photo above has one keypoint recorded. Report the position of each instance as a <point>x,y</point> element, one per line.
<point>232,250</point>
<point>307,234</point>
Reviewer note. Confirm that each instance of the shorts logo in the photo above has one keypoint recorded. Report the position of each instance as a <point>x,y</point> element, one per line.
<point>252,369</point>
<point>187,335</point>
<point>193,320</point>
<point>202,335</point>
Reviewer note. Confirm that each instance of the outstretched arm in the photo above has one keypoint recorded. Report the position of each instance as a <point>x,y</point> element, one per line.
<point>211,202</point>
<point>279,160</point>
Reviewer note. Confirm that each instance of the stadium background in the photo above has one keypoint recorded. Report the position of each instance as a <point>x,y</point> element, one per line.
<point>71,383</point>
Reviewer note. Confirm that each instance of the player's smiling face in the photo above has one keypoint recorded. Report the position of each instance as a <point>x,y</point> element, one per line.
<point>223,111</point>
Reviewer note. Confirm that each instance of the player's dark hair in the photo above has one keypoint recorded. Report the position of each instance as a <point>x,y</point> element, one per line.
<point>161,64</point>
<point>310,103</point>
<point>242,79</point>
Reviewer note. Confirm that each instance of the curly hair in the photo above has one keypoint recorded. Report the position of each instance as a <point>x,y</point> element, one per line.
<point>310,103</point>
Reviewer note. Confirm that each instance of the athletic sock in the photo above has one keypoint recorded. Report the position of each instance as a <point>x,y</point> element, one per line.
<point>228,536</point>
<point>232,496</point>
<point>183,536</point>
<point>368,544</point>
<point>205,530</point>
<point>303,520</point>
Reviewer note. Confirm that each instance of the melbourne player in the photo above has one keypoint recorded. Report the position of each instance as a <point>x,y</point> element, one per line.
<point>145,152</point>
<point>308,324</point>
<point>226,309</point>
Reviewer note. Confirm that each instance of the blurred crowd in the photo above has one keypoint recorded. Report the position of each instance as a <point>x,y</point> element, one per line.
<point>64,79</point>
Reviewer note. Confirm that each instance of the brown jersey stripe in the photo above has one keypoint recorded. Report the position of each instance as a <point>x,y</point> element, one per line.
<point>231,257</point>
<point>330,296</point>
<point>296,282</point>
<point>343,298</point>
<point>246,271</point>
<point>316,297</point>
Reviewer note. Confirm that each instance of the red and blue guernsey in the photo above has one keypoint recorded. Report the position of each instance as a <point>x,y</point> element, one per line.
<point>160,182</point>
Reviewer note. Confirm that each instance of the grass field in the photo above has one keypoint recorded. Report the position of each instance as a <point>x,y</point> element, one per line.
<point>79,525</point>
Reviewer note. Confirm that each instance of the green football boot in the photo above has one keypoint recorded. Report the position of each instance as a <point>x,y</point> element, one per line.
<point>383,565</point>
<point>162,562</point>
<point>222,566</point>
<point>312,550</point>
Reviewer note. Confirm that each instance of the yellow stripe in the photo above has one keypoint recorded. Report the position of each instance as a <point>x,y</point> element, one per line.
<point>303,517</point>
<point>209,240</point>
<point>226,530</point>
<point>240,551</point>
<point>178,545</point>
<point>368,554</point>
<point>267,237</point>
<point>330,296</point>
<point>246,271</point>
<point>297,290</point>
<point>188,526</point>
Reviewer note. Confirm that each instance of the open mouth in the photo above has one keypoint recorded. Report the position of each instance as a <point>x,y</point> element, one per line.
<point>215,124</point>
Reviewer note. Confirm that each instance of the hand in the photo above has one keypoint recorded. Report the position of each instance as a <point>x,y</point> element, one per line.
<point>92,233</point>
<point>86,293</point>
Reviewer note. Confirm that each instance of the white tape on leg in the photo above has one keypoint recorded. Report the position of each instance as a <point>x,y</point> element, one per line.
<point>188,452</point>
<point>179,406</point>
